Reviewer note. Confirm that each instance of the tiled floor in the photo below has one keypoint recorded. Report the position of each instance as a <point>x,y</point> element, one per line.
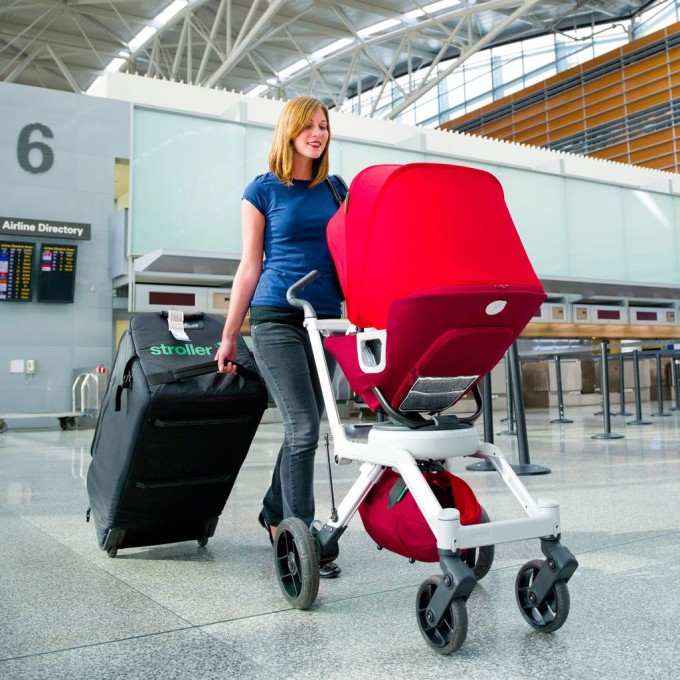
<point>179,611</point>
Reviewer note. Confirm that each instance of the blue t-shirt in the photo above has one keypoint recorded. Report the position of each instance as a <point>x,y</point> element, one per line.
<point>295,242</point>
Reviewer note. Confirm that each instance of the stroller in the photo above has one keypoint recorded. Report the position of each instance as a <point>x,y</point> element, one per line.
<point>427,319</point>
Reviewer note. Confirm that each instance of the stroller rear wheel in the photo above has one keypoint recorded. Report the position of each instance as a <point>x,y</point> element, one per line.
<point>297,563</point>
<point>480,559</point>
<point>447,635</point>
<point>548,615</point>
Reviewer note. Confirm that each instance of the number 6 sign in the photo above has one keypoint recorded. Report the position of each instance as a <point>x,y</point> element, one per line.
<point>25,146</point>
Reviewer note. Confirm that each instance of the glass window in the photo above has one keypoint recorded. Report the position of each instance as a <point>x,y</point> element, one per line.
<point>610,40</point>
<point>507,70</point>
<point>538,76</point>
<point>477,80</point>
<point>656,18</point>
<point>502,70</point>
<point>539,57</point>
<point>427,107</point>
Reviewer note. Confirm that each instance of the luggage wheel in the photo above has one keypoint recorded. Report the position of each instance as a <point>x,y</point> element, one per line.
<point>67,423</point>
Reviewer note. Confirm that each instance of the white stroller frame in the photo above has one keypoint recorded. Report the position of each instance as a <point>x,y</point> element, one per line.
<point>541,589</point>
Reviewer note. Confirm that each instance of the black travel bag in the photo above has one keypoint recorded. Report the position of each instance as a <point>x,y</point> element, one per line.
<point>172,433</point>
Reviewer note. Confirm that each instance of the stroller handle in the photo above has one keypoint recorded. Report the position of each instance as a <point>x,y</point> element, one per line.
<point>299,285</point>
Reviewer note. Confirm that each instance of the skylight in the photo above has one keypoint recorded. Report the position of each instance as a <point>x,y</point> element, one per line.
<point>293,68</point>
<point>332,47</point>
<point>157,22</point>
<point>115,64</point>
<point>170,11</point>
<point>144,36</point>
<point>432,8</point>
<point>377,28</point>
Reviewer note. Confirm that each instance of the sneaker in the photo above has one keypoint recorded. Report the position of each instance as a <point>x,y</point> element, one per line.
<point>329,570</point>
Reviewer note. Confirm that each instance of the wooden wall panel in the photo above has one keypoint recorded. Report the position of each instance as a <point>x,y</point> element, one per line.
<point>592,87</point>
<point>644,103</point>
<point>614,107</point>
<point>612,103</point>
<point>535,138</point>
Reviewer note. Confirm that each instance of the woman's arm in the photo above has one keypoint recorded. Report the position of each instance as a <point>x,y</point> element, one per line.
<point>244,284</point>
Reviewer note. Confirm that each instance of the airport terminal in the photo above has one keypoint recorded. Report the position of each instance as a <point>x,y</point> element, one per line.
<point>509,258</point>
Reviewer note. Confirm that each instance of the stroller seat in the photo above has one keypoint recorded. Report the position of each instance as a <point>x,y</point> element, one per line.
<point>434,312</point>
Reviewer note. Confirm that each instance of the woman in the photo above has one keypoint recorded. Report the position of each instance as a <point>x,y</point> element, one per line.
<point>284,215</point>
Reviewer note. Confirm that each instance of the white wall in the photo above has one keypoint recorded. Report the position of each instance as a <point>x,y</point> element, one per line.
<point>579,217</point>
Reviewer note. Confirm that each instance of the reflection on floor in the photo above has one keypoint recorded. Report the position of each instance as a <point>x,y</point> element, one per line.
<point>180,611</point>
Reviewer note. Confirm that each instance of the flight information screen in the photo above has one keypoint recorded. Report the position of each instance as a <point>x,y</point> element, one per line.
<point>16,271</point>
<point>57,273</point>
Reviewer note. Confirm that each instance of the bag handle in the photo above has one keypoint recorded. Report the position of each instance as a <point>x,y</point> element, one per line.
<point>398,491</point>
<point>203,368</point>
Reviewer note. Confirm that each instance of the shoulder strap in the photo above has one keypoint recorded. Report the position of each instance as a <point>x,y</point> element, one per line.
<point>341,181</point>
<point>334,191</point>
<point>126,383</point>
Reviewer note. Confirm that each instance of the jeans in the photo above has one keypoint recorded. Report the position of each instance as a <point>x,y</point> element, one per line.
<point>283,354</point>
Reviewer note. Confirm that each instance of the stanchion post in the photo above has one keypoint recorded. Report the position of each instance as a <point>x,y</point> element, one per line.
<point>560,395</point>
<point>604,389</point>
<point>487,408</point>
<point>622,388</point>
<point>659,390</point>
<point>636,388</point>
<point>525,466</point>
<point>599,413</point>
<point>509,398</point>
<point>676,381</point>
<point>487,413</point>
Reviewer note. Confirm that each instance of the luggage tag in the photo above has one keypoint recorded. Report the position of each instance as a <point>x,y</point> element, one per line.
<point>176,325</point>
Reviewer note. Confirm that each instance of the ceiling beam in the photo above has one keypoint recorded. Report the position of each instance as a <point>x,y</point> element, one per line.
<point>244,42</point>
<point>59,39</point>
<point>21,66</point>
<point>463,13</point>
<point>476,47</point>
<point>369,8</point>
<point>211,45</point>
<point>64,71</point>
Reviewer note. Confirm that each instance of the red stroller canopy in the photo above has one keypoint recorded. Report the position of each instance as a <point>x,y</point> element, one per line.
<point>408,228</point>
<point>428,254</point>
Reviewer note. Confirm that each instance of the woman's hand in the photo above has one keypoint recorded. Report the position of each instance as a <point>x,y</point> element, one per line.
<point>226,356</point>
<point>244,284</point>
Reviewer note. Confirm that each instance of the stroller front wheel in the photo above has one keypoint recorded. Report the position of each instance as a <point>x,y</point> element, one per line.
<point>550,614</point>
<point>448,634</point>
<point>297,563</point>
